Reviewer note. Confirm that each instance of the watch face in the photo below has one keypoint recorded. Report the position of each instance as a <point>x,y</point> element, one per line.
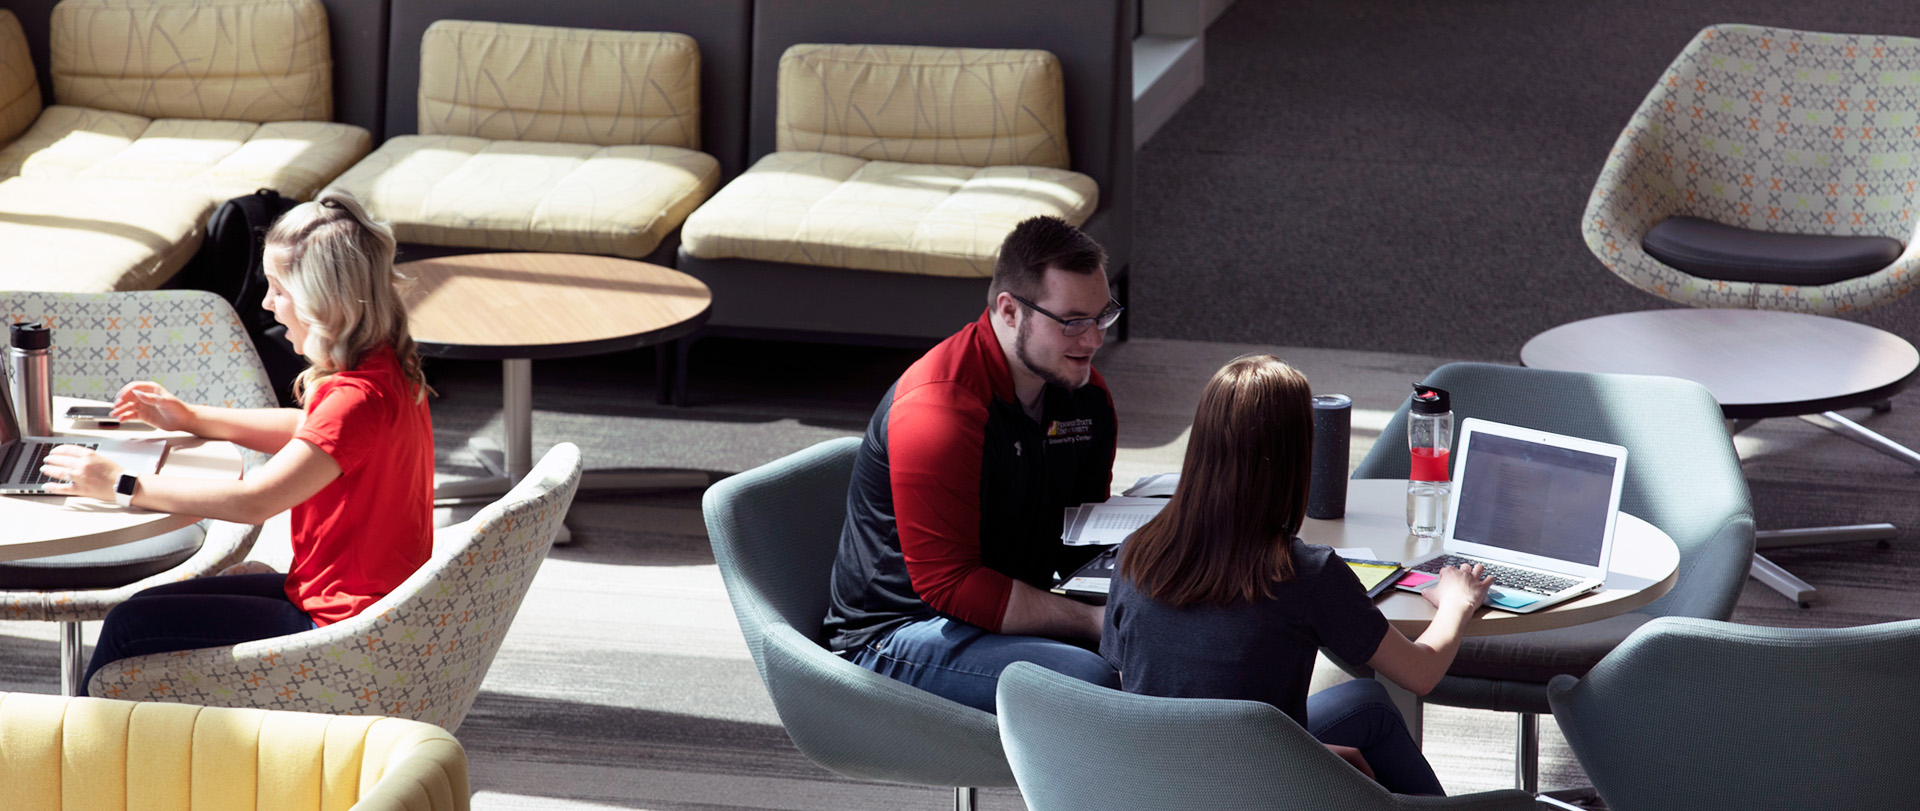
<point>127,483</point>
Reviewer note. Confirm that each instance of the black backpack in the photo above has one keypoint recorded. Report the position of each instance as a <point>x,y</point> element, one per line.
<point>229,264</point>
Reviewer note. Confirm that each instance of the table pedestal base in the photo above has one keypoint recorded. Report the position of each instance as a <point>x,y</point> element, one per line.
<point>509,465</point>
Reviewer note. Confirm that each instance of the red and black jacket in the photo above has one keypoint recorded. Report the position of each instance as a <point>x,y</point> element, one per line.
<point>956,492</point>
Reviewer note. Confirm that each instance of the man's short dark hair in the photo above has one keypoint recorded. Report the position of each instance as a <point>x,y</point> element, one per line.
<point>1036,244</point>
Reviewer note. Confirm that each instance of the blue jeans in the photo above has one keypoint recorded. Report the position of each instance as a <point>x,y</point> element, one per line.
<point>207,612</point>
<point>1359,714</point>
<point>962,662</point>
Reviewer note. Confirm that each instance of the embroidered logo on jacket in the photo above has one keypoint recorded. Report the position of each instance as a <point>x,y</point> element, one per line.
<point>1069,431</point>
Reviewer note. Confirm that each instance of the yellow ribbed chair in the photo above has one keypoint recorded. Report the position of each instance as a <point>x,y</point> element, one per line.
<point>96,754</point>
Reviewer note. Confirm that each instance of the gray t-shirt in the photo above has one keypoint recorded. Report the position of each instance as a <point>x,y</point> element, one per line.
<point>1258,651</point>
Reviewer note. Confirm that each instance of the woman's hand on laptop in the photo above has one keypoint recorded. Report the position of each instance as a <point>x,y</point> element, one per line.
<point>151,403</point>
<point>1461,587</point>
<point>80,472</point>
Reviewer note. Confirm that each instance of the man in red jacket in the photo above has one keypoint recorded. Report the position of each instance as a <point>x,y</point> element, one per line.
<point>954,511</point>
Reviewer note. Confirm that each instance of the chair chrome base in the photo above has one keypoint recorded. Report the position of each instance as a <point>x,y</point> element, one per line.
<point>963,797</point>
<point>72,667</point>
<point>1783,581</point>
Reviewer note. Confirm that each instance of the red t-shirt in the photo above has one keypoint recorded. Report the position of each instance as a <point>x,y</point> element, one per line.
<point>366,531</point>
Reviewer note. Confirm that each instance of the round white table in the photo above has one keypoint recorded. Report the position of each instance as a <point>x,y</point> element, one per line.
<point>42,526</point>
<point>39,526</point>
<point>1644,566</point>
<point>1758,364</point>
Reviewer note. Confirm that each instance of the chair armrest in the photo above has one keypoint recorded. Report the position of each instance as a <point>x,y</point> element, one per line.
<point>426,771</point>
<point>1502,800</point>
<point>862,724</point>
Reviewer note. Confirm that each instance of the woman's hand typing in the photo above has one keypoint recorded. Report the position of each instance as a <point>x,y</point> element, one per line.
<point>1460,588</point>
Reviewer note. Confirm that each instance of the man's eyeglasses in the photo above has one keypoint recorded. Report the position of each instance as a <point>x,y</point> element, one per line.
<point>1072,327</point>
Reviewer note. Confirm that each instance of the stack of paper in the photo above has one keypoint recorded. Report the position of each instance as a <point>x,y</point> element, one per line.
<point>1108,522</point>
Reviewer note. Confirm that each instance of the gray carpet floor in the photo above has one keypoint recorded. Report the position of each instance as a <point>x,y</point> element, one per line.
<point>624,683</point>
<point>1409,177</point>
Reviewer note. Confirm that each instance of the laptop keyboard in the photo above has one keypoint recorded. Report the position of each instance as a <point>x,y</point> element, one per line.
<point>1505,576</point>
<point>38,456</point>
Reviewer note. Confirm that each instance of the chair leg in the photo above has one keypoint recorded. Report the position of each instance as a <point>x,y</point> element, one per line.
<point>72,667</point>
<point>1526,756</point>
<point>1835,422</point>
<point>963,798</point>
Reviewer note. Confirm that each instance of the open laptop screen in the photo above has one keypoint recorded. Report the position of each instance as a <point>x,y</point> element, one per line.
<point>1534,498</point>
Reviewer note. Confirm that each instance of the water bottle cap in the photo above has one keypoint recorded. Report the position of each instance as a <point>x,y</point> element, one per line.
<point>32,336</point>
<point>1430,401</point>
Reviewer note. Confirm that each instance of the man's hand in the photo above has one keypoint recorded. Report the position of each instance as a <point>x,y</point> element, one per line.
<point>80,472</point>
<point>1034,612</point>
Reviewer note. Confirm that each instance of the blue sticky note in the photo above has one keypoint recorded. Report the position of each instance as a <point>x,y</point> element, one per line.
<point>1511,599</point>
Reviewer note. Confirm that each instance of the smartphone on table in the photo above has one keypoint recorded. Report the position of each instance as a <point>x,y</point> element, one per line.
<point>98,416</point>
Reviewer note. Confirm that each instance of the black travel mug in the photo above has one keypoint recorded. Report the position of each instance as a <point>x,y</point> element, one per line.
<point>1332,436</point>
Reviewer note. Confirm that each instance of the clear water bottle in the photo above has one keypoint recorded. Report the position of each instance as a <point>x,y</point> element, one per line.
<point>1430,443</point>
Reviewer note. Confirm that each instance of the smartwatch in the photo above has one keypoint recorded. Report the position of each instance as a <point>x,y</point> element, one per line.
<point>123,491</point>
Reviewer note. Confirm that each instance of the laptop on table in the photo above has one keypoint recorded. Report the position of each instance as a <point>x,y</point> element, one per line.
<point>1536,509</point>
<point>21,456</point>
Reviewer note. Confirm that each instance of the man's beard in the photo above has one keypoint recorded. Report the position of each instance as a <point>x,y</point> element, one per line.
<point>1047,374</point>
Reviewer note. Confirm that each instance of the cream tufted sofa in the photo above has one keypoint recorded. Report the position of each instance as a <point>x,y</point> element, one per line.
<point>94,754</point>
<point>163,109</point>
<point>539,138</point>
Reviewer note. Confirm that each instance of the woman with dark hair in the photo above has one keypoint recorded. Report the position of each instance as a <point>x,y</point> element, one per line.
<point>1217,598</point>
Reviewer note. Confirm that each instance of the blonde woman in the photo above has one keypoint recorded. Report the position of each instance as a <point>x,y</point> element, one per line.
<point>354,464</point>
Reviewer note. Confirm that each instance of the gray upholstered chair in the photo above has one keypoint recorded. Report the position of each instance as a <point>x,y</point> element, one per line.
<point>1076,746</point>
<point>1698,714</point>
<point>192,343</point>
<point>1682,476</point>
<point>776,531</point>
<point>1761,174</point>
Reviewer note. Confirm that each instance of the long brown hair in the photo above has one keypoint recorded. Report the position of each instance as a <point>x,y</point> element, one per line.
<point>1227,535</point>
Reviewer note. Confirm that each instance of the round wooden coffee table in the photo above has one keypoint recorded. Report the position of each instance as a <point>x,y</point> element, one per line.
<point>1758,364</point>
<point>520,307</point>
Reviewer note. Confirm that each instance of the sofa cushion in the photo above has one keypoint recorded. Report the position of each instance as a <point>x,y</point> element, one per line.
<point>541,83</point>
<point>246,60</point>
<point>218,159</point>
<point>815,208</point>
<point>914,104</point>
<point>19,88</point>
<point>531,195</point>
<point>96,235</point>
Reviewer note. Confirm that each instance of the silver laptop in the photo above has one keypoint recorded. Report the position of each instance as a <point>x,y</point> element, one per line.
<point>21,456</point>
<point>1536,509</point>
